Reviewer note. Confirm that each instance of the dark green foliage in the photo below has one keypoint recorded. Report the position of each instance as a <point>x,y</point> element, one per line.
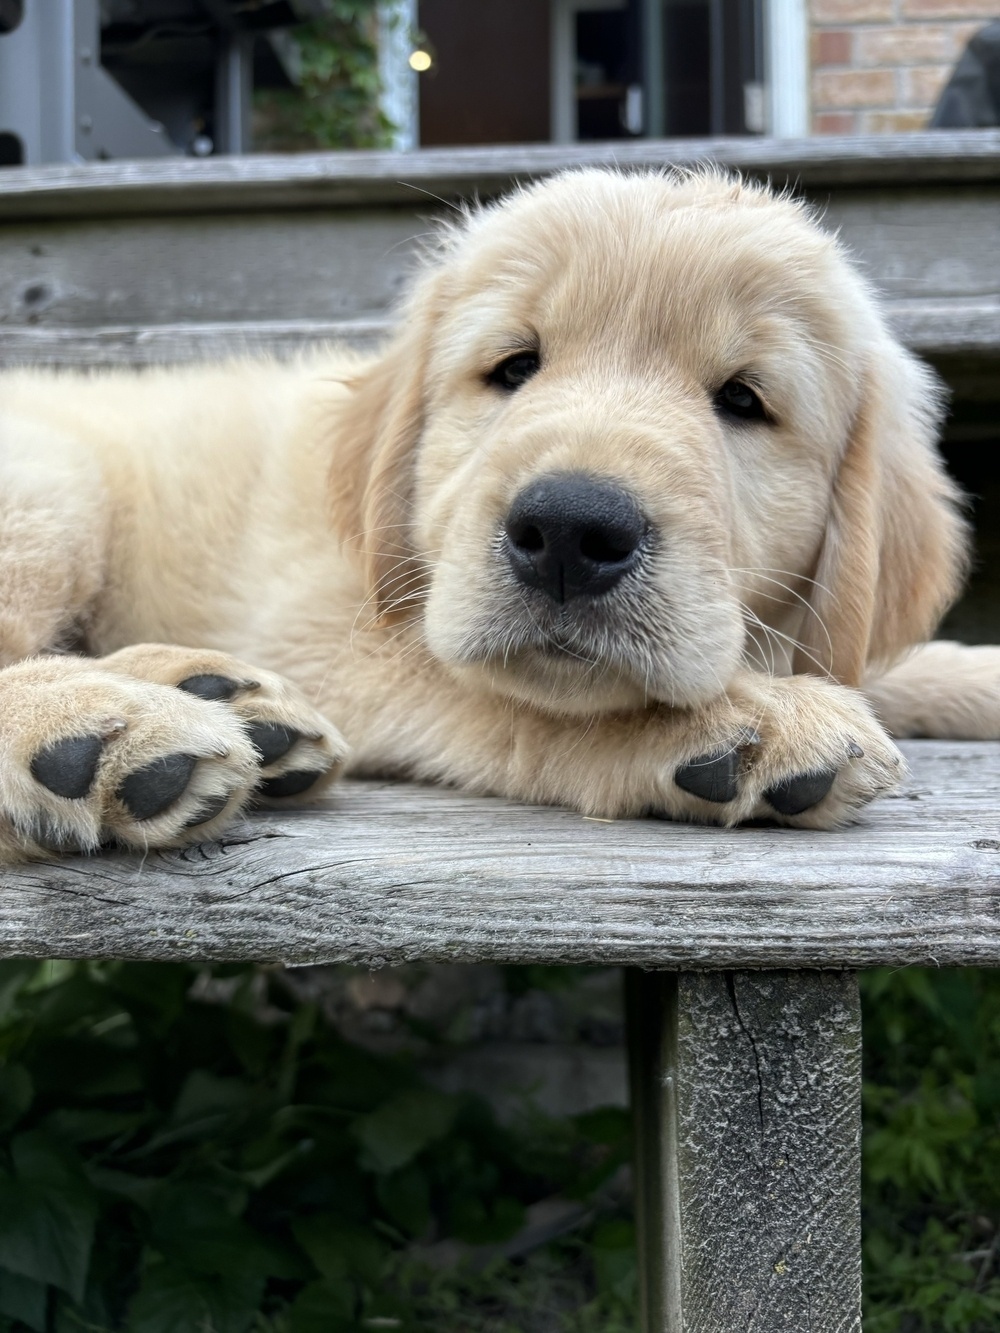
<point>932,1151</point>
<point>336,104</point>
<point>174,1165</point>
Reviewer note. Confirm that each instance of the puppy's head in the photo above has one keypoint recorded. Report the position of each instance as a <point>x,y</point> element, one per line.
<point>636,429</point>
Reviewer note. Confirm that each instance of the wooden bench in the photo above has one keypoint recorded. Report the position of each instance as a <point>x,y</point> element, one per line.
<point>741,946</point>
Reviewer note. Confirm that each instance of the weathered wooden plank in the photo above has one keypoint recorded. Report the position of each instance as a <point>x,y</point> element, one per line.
<point>177,344</point>
<point>154,271</point>
<point>387,873</point>
<point>929,249</point>
<point>951,327</point>
<point>969,328</point>
<point>186,185</point>
<point>130,285</point>
<point>922,244</point>
<point>746,1089</point>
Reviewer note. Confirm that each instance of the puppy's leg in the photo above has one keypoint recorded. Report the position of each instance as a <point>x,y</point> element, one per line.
<point>54,534</point>
<point>795,750</point>
<point>942,690</point>
<point>155,746</point>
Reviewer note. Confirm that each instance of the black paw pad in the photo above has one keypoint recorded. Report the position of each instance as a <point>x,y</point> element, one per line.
<point>290,784</point>
<point>213,806</point>
<point>211,687</point>
<point>272,739</point>
<point>149,791</point>
<point>801,792</point>
<point>68,767</point>
<point>712,776</point>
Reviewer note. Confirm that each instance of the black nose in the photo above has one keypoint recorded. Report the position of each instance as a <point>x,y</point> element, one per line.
<point>571,535</point>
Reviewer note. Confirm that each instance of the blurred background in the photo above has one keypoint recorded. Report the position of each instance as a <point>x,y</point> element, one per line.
<point>85,79</point>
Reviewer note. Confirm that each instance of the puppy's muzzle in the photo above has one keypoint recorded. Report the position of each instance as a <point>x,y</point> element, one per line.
<point>571,535</point>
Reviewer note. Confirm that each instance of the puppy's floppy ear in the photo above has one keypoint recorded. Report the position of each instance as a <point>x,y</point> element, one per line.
<point>371,476</point>
<point>895,549</point>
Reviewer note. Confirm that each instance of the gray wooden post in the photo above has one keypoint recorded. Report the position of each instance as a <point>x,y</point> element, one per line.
<point>746,1097</point>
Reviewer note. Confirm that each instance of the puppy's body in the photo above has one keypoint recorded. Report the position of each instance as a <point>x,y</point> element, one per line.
<point>347,524</point>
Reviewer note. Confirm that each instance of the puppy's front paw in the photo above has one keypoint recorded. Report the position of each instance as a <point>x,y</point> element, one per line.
<point>87,756</point>
<point>298,751</point>
<point>805,753</point>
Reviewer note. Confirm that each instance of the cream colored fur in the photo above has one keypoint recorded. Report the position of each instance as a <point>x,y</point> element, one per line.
<point>335,521</point>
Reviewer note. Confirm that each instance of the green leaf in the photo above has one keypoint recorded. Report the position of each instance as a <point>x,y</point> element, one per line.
<point>340,1250</point>
<point>140,1190</point>
<point>47,1213</point>
<point>486,1221</point>
<point>14,976</point>
<point>406,1197</point>
<point>614,1257</point>
<point>16,1092</point>
<point>398,1130</point>
<point>23,1299</point>
<point>323,1307</point>
<point>91,1126</point>
<point>205,1094</point>
<point>171,1299</point>
<point>195,1229</point>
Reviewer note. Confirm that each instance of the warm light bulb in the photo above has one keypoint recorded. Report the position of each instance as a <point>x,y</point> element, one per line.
<point>420,61</point>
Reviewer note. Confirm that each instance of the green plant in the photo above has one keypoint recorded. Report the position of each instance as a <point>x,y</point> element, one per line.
<point>185,1151</point>
<point>336,102</point>
<point>932,1151</point>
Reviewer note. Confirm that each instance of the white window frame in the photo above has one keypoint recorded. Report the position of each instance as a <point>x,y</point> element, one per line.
<point>399,94</point>
<point>786,68</point>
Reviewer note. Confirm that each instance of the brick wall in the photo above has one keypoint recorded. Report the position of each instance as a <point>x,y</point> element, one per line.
<point>878,66</point>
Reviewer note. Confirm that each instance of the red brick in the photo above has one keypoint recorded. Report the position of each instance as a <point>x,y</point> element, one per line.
<point>852,11</point>
<point>947,9</point>
<point>921,86</point>
<point>912,44</point>
<point>835,122</point>
<point>840,89</point>
<point>832,47</point>
<point>892,122</point>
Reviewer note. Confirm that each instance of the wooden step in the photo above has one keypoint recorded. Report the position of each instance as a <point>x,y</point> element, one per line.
<point>311,180</point>
<point>179,260</point>
<point>932,328</point>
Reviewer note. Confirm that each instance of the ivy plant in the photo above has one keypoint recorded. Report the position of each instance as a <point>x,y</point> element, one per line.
<point>336,103</point>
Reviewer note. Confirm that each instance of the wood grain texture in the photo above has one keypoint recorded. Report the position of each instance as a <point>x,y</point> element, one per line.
<point>386,873</point>
<point>186,185</point>
<point>179,344</point>
<point>164,270</point>
<point>921,244</point>
<point>167,288</point>
<point>955,327</point>
<point>766,1075</point>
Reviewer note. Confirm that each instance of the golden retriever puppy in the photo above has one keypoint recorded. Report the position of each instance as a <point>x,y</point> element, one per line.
<point>639,500</point>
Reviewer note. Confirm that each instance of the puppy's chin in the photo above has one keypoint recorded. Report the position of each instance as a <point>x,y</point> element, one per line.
<point>555,685</point>
<point>562,682</point>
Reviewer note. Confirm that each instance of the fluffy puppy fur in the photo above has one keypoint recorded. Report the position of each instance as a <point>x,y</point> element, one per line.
<point>692,343</point>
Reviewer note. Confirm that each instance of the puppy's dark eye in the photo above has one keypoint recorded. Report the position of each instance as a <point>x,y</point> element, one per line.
<point>737,399</point>
<point>516,370</point>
